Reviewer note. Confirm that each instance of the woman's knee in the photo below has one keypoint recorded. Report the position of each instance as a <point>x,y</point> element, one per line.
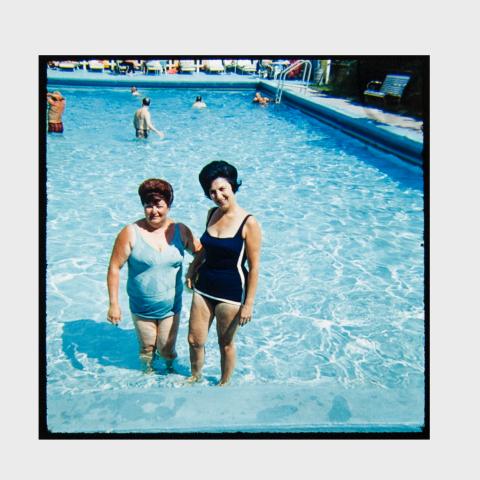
<point>227,347</point>
<point>147,349</point>
<point>195,342</point>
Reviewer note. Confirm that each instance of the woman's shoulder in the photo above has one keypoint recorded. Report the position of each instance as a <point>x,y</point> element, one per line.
<point>251,223</point>
<point>179,226</point>
<point>129,231</point>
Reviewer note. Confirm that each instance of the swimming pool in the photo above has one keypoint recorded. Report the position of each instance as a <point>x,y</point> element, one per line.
<point>337,340</point>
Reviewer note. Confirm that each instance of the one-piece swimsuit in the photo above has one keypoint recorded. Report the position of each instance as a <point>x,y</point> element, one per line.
<point>222,276</point>
<point>154,283</point>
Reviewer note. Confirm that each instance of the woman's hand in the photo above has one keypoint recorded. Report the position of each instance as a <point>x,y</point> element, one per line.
<point>245,314</point>
<point>190,276</point>
<point>114,314</point>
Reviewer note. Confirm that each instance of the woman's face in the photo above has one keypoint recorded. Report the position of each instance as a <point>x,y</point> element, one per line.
<point>221,192</point>
<point>156,212</point>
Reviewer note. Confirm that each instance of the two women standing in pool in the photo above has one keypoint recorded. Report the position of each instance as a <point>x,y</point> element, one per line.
<point>223,288</point>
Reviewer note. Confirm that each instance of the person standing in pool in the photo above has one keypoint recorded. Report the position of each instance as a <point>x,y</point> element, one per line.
<point>199,103</point>
<point>134,91</point>
<point>153,247</point>
<point>56,107</point>
<point>142,121</point>
<point>223,288</point>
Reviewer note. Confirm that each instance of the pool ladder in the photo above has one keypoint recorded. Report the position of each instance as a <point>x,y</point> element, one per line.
<point>307,71</point>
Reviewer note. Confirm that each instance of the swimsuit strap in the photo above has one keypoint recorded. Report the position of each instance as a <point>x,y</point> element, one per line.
<point>242,224</point>
<point>177,236</point>
<point>136,229</point>
<point>210,215</point>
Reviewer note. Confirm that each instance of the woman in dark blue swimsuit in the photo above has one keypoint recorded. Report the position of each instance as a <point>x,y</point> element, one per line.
<point>223,287</point>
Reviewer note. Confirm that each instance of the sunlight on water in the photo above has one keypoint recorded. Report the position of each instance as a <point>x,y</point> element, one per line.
<point>340,296</point>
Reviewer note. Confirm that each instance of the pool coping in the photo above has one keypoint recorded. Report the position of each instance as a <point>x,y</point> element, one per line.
<point>265,408</point>
<point>362,127</point>
<point>357,124</point>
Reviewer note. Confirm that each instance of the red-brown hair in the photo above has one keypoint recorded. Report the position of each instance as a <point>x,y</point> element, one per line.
<point>154,189</point>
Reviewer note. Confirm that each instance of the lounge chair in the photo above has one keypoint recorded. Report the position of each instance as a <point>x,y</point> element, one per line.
<point>121,67</point>
<point>215,66</point>
<point>391,89</point>
<point>172,66</point>
<point>247,66</point>
<point>230,65</point>
<point>187,66</point>
<point>108,65</point>
<point>67,66</point>
<point>154,67</point>
<point>95,66</point>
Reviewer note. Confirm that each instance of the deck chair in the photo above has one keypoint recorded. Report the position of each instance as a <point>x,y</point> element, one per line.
<point>108,65</point>
<point>215,66</point>
<point>230,65</point>
<point>67,66</point>
<point>121,67</point>
<point>154,67</point>
<point>391,89</point>
<point>187,66</point>
<point>95,66</point>
<point>247,66</point>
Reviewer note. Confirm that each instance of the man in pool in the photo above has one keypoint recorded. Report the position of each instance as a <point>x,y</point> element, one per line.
<point>142,121</point>
<point>56,107</point>
<point>199,103</point>
<point>134,91</point>
<point>259,99</point>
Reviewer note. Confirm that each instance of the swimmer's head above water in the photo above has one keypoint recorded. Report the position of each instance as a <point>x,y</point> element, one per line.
<point>146,102</point>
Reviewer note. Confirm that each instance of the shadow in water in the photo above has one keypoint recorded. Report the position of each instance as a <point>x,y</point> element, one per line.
<point>108,344</point>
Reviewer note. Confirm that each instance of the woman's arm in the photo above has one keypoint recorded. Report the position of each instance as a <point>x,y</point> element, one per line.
<point>194,247</point>
<point>190,242</point>
<point>253,240</point>
<point>120,253</point>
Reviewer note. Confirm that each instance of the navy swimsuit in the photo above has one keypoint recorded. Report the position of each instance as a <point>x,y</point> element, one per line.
<point>223,276</point>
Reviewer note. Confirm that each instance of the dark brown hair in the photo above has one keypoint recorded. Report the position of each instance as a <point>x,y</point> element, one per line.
<point>216,169</point>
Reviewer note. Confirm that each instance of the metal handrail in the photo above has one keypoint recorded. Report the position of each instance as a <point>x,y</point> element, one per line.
<point>283,74</point>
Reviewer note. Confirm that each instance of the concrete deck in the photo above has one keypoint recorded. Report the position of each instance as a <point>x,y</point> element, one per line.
<point>397,134</point>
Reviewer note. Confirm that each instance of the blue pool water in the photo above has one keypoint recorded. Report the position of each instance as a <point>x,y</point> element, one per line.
<point>337,340</point>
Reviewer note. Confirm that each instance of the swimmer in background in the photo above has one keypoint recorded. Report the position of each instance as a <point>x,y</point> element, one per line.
<point>135,91</point>
<point>260,100</point>
<point>56,107</point>
<point>199,103</point>
<point>142,121</point>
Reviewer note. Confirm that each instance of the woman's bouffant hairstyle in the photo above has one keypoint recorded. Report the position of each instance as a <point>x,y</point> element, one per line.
<point>155,189</point>
<point>216,169</point>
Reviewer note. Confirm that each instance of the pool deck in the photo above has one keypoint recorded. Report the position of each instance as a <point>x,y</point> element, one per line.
<point>328,408</point>
<point>397,134</point>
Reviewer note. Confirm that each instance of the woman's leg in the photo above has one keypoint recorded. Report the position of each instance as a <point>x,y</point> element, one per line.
<point>147,338</point>
<point>227,323</point>
<point>167,330</point>
<point>201,316</point>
